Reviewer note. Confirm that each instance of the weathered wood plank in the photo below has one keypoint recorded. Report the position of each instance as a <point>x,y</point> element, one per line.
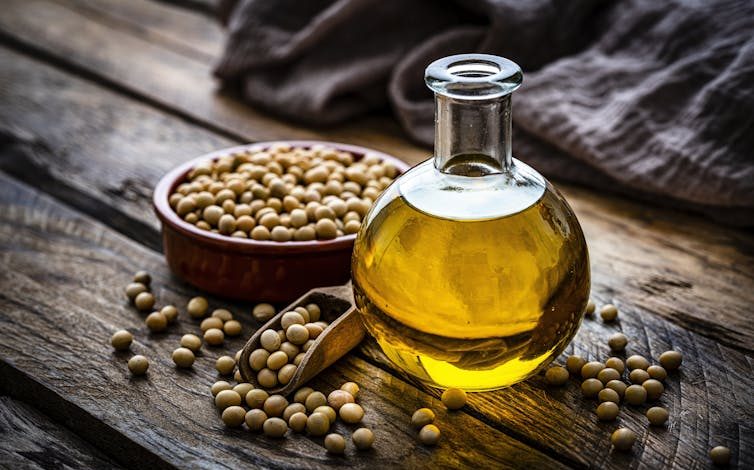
<point>528,411</point>
<point>104,131</point>
<point>63,297</point>
<point>108,153</point>
<point>123,57</point>
<point>30,440</point>
<point>709,400</point>
<point>208,7</point>
<point>193,35</point>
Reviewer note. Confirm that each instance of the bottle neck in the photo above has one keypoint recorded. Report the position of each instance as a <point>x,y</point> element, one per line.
<point>473,137</point>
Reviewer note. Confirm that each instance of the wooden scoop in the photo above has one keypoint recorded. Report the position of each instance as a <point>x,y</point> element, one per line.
<point>345,330</point>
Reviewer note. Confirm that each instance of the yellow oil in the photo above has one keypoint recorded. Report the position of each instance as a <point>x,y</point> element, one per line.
<point>477,304</point>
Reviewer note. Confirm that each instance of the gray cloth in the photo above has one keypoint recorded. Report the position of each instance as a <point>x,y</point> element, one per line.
<point>654,99</point>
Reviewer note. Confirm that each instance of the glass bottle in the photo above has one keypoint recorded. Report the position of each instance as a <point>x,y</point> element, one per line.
<point>471,270</point>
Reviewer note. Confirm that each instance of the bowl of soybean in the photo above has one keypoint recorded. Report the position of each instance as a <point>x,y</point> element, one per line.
<point>271,220</point>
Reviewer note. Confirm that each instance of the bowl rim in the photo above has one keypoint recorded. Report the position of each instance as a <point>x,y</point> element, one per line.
<point>166,214</point>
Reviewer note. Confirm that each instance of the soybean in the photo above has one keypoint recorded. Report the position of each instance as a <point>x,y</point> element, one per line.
<point>170,312</point>
<point>351,413</point>
<point>270,340</point>
<point>657,415</point>
<point>223,314</point>
<point>623,439</point>
<point>121,340</point>
<point>352,388</point>
<point>720,455</point>
<point>234,416</point>
<point>591,369</point>
<point>363,438</point>
<point>422,417</point>
<point>255,419</point>
<point>275,405</point>
<point>317,424</point>
<point>556,375</point>
<point>654,389</point>
<point>219,386</point>
<point>607,411</point>
<point>138,365</point>
<point>337,398</point>
<point>429,435</point>
<point>263,312</point>
<point>608,394</point>
<point>637,362</point>
<point>144,301</point>
<point>197,307</point>
<point>232,328</point>
<point>226,398</point>
<point>214,336</point>
<point>192,342</point>
<point>297,421</point>
<point>638,376</point>
<point>591,387</point>
<point>657,372</point>
<point>314,400</point>
<point>225,365</point>
<point>635,395</point>
<point>327,411</point>
<point>574,364</point>
<point>615,363</point>
<point>183,357</point>
<point>256,397</point>
<point>210,322</point>
<point>607,374</point>
<point>275,427</point>
<point>134,289</point>
<point>258,359</point>
<point>617,342</point>
<point>156,322</point>
<point>453,398</point>
<point>335,443</point>
<point>671,360</point>
<point>609,312</point>
<point>301,394</point>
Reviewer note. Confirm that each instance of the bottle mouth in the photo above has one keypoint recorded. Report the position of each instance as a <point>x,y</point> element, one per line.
<point>473,76</point>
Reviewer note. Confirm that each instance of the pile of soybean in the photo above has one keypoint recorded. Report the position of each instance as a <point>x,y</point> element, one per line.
<point>283,193</point>
<point>605,382</point>
<point>213,329</point>
<point>283,350</point>
<point>310,411</point>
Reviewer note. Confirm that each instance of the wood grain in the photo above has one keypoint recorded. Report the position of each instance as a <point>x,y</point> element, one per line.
<point>30,440</point>
<point>696,274</point>
<point>529,411</point>
<point>63,297</point>
<point>709,400</point>
<point>161,24</point>
<point>123,57</point>
<point>650,262</point>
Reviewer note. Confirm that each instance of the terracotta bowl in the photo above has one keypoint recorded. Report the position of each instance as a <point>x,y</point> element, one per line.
<point>246,269</point>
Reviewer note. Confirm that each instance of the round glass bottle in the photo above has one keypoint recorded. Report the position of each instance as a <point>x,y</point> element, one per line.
<point>471,270</point>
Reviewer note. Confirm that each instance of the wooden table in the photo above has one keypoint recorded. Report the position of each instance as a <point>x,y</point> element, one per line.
<point>99,98</point>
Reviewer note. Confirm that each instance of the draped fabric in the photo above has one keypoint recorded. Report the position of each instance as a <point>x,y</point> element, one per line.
<point>651,99</point>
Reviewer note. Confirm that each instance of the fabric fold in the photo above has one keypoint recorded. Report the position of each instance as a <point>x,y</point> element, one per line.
<point>650,99</point>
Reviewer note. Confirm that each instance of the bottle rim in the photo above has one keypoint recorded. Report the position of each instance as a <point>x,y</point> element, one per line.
<point>473,76</point>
